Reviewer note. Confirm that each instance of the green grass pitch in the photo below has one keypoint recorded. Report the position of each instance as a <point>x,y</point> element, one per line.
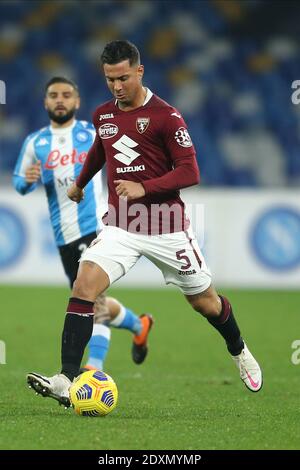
<point>187,395</point>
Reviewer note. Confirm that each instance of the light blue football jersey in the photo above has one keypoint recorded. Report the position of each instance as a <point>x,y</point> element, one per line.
<point>62,152</point>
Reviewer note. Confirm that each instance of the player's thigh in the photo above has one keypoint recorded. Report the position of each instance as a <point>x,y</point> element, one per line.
<point>181,261</point>
<point>113,251</point>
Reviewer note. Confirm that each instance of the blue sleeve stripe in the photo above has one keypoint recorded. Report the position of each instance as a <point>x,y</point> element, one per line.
<point>23,151</point>
<point>55,214</point>
<point>22,186</point>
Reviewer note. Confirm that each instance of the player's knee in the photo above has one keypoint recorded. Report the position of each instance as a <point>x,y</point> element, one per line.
<point>78,289</point>
<point>208,307</point>
<point>211,310</point>
<point>82,289</point>
<point>91,281</point>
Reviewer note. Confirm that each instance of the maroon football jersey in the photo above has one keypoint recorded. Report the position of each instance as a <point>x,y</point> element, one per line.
<point>149,145</point>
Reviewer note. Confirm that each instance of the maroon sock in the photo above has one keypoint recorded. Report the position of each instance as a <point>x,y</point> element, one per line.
<point>228,328</point>
<point>76,334</point>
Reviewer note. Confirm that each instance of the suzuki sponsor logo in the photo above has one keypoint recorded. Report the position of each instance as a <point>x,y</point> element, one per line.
<point>128,169</point>
<point>55,159</point>
<point>125,145</point>
<point>108,130</point>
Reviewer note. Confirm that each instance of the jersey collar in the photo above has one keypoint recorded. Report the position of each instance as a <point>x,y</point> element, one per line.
<point>63,130</point>
<point>148,97</point>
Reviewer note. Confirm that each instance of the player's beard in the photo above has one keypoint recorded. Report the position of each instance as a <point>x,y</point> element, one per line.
<point>61,119</point>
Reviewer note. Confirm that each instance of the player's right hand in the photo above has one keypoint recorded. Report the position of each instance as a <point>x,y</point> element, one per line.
<point>75,193</point>
<point>33,173</point>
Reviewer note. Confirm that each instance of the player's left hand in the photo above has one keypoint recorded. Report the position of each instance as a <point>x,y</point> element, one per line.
<point>75,193</point>
<point>129,189</point>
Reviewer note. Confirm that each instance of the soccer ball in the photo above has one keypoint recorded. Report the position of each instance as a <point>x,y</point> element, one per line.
<point>93,393</point>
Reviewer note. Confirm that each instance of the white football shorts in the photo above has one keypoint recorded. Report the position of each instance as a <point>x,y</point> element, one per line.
<point>177,255</point>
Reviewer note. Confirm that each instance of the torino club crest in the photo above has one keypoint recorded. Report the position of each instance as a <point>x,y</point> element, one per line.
<point>142,124</point>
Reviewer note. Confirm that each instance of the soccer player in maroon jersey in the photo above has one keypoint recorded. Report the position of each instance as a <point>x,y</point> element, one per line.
<point>149,157</point>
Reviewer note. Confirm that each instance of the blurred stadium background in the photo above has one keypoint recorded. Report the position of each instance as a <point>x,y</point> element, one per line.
<point>229,66</point>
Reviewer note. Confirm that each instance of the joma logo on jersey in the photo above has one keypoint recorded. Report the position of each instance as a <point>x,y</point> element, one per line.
<point>187,273</point>
<point>55,159</point>
<point>106,116</point>
<point>108,130</point>
<point>142,124</point>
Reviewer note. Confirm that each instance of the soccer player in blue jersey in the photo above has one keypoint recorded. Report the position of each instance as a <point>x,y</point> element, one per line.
<point>55,155</point>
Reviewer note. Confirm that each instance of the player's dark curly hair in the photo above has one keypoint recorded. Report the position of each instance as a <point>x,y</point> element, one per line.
<point>61,80</point>
<point>117,51</point>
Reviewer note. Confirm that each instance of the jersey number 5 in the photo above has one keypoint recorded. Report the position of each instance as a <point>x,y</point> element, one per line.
<point>181,256</point>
